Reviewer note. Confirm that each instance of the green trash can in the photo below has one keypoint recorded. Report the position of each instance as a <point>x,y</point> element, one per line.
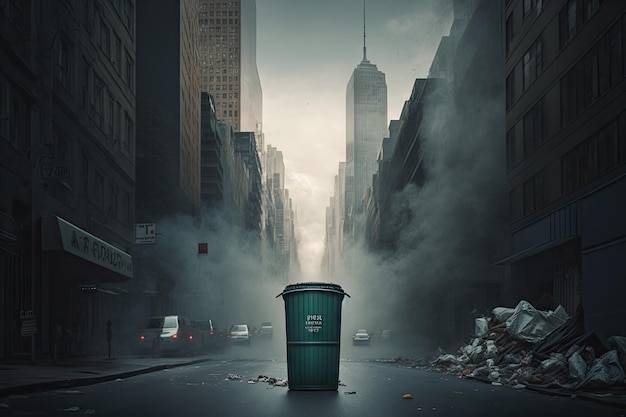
<point>313,326</point>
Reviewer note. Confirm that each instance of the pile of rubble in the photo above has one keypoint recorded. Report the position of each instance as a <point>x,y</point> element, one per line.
<point>526,347</point>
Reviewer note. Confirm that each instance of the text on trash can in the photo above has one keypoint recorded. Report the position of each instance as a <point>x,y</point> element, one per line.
<point>313,323</point>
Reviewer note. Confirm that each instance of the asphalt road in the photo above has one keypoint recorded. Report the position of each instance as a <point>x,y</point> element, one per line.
<point>229,386</point>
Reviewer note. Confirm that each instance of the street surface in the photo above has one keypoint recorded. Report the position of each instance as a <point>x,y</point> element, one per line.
<point>229,385</point>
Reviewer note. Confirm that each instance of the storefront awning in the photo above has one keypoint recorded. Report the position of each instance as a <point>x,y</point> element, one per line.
<point>60,235</point>
<point>534,250</point>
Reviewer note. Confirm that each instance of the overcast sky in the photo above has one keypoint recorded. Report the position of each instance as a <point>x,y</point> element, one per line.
<point>306,52</point>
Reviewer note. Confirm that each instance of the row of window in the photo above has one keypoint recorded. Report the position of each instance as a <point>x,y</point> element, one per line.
<point>105,110</point>
<point>572,18</point>
<point>601,68</point>
<point>112,201</point>
<point>13,116</point>
<point>205,22</point>
<point>595,156</point>
<point>224,5</point>
<point>598,70</point>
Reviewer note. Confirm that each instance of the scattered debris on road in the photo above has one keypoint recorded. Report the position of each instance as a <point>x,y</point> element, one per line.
<point>407,396</point>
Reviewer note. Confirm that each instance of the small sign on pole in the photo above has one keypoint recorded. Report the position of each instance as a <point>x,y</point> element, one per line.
<point>203,248</point>
<point>145,233</point>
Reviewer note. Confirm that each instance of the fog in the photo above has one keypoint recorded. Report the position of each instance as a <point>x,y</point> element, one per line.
<point>228,284</point>
<point>448,232</point>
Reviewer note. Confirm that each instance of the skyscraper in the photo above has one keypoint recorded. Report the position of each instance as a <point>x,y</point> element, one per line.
<point>168,110</point>
<point>227,64</point>
<point>366,126</point>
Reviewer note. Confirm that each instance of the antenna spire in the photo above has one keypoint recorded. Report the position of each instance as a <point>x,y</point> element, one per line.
<point>364,47</point>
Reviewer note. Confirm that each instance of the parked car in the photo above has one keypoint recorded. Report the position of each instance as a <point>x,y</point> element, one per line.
<point>239,334</point>
<point>361,337</point>
<point>266,329</point>
<point>169,334</point>
<point>385,335</point>
<point>148,341</point>
<point>208,335</point>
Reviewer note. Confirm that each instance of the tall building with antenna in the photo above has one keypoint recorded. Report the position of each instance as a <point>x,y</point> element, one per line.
<point>366,126</point>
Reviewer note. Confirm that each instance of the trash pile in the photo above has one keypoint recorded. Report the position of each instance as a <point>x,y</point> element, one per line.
<point>277,382</point>
<point>525,347</point>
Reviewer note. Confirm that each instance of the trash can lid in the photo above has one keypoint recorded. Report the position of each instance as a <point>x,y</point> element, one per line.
<point>313,286</point>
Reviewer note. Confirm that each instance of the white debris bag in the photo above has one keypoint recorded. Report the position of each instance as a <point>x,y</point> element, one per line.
<point>501,314</point>
<point>604,371</point>
<point>481,327</point>
<point>531,325</point>
<point>577,367</point>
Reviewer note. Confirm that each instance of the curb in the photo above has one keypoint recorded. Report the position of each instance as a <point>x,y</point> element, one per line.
<point>565,393</point>
<point>77,382</point>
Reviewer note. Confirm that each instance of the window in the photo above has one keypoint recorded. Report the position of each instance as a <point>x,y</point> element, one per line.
<point>129,134</point>
<point>16,13</point>
<point>590,7</point>
<point>98,192</point>
<point>117,60</point>
<point>85,70</point>
<point>616,58</point>
<point>63,69</point>
<point>85,173</point>
<point>4,110</point>
<point>510,32</point>
<point>105,39</point>
<point>535,193</point>
<point>568,23</point>
<point>534,128</point>
<point>129,15</point>
<point>111,115</point>
<point>608,151</point>
<point>13,117</point>
<point>112,211</point>
<point>511,149</point>
<point>510,89</point>
<point>125,209</point>
<point>533,63</point>
<point>118,122</point>
<point>532,8</point>
<point>98,102</point>
<point>130,69</point>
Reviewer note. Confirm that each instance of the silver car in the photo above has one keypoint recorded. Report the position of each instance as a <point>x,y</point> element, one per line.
<point>239,334</point>
<point>361,337</point>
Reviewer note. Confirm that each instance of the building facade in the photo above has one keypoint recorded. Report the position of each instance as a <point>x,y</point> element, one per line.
<point>227,64</point>
<point>168,134</point>
<point>566,155</point>
<point>67,106</point>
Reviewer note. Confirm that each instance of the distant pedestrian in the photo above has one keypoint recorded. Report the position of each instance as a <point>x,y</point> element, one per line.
<point>78,338</point>
<point>109,336</point>
<point>57,337</point>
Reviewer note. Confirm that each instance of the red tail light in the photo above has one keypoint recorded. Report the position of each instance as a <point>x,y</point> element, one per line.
<point>175,336</point>
<point>228,335</point>
<point>190,337</point>
<point>212,333</point>
<point>142,337</point>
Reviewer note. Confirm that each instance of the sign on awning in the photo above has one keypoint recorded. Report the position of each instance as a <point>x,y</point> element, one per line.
<point>80,243</point>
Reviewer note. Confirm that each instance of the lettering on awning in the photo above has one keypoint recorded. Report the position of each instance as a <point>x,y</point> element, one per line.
<point>93,249</point>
